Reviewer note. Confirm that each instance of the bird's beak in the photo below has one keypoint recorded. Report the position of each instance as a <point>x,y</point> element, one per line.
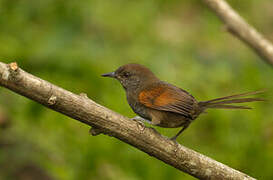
<point>111,74</point>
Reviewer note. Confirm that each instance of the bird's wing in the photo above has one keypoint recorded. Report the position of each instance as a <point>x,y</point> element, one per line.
<point>169,98</point>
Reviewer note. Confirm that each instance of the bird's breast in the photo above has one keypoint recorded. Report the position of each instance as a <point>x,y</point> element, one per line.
<point>137,107</point>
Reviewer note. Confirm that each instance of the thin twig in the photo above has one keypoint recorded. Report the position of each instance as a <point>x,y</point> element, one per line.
<point>236,25</point>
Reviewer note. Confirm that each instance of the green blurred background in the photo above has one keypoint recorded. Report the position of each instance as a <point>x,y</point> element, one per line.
<point>70,43</point>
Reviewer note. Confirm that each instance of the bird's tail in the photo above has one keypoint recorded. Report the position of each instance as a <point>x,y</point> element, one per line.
<point>227,101</point>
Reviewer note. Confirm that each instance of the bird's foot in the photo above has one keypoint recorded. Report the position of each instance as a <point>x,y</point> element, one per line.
<point>173,139</point>
<point>140,119</point>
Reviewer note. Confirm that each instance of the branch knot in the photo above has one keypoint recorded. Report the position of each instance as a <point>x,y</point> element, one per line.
<point>52,100</point>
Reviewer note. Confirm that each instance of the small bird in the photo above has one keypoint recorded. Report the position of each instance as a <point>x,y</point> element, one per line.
<point>162,104</point>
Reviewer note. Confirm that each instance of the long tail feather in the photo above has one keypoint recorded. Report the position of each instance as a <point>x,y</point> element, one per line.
<point>239,100</point>
<point>237,95</point>
<point>224,101</point>
<point>223,106</point>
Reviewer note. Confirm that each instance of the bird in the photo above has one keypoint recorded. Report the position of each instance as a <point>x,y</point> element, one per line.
<point>165,105</point>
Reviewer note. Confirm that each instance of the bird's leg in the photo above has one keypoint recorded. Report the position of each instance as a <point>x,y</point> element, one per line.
<point>140,119</point>
<point>153,122</point>
<point>183,129</point>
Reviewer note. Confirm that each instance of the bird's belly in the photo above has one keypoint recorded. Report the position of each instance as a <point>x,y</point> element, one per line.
<point>168,119</point>
<point>172,123</point>
<point>140,110</point>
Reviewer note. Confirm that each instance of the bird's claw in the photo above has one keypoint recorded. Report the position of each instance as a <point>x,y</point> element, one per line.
<point>138,120</point>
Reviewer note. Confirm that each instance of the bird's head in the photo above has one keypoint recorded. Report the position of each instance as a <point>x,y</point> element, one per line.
<point>132,76</point>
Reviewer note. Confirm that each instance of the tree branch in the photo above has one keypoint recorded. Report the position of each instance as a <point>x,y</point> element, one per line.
<point>240,28</point>
<point>103,120</point>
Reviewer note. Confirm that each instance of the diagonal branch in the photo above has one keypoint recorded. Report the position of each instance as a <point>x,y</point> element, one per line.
<point>103,120</point>
<point>240,28</point>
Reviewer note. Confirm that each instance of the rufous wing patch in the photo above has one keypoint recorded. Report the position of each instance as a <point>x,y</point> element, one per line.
<point>149,97</point>
<point>167,99</point>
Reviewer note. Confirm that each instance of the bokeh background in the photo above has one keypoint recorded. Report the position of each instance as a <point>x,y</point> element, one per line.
<point>70,43</point>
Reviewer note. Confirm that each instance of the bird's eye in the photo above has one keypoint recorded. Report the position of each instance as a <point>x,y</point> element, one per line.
<point>126,74</point>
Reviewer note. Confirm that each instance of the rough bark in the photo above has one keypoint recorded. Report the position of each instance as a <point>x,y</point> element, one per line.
<point>241,29</point>
<point>103,120</point>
